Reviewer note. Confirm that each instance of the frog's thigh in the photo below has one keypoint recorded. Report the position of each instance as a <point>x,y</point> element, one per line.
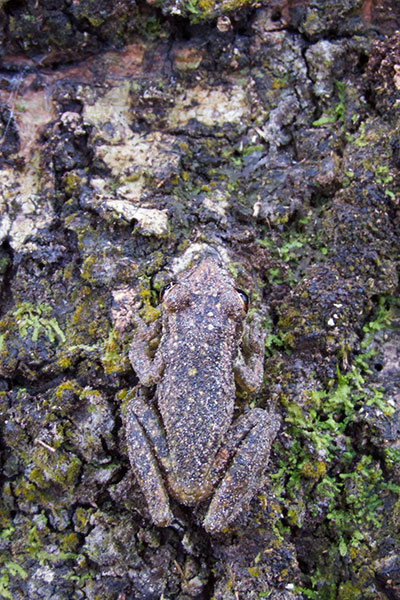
<point>243,475</point>
<point>142,437</point>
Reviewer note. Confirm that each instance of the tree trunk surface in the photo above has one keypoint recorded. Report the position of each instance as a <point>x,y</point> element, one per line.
<point>132,134</point>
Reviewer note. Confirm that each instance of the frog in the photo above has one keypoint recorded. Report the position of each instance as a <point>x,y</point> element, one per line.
<point>182,438</point>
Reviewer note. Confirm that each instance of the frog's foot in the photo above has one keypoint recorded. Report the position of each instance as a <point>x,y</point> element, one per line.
<point>144,440</point>
<point>149,370</point>
<point>249,365</point>
<point>249,373</point>
<point>146,331</point>
<point>244,473</point>
<point>254,340</point>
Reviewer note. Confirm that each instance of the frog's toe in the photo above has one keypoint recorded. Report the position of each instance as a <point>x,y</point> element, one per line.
<point>214,523</point>
<point>161,516</point>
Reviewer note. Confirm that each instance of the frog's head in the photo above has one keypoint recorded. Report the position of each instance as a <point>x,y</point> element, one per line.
<point>207,274</point>
<point>206,278</point>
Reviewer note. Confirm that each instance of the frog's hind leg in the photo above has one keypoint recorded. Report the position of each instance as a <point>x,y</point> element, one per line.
<point>145,442</point>
<point>252,436</point>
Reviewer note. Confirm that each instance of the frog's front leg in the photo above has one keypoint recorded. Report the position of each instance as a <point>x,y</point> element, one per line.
<point>252,435</point>
<point>147,451</point>
<point>249,365</point>
<point>149,370</point>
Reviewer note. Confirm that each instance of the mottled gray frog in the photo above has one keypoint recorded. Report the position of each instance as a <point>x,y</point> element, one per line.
<point>184,443</point>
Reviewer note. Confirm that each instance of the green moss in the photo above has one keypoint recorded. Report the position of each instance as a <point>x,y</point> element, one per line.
<point>208,8</point>
<point>36,534</point>
<point>391,458</point>
<point>322,468</point>
<point>26,491</point>
<point>349,591</point>
<point>60,467</point>
<point>279,83</point>
<point>151,27</point>
<point>95,22</point>
<point>10,569</point>
<point>293,516</point>
<point>253,572</point>
<point>52,476</point>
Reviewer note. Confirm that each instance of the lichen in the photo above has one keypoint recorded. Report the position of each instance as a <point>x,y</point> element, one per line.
<point>272,134</point>
<point>114,358</point>
<point>35,319</point>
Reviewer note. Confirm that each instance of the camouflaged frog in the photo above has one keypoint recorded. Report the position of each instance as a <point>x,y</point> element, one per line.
<point>184,443</point>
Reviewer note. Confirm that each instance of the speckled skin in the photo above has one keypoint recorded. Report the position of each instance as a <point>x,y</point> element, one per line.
<point>184,444</point>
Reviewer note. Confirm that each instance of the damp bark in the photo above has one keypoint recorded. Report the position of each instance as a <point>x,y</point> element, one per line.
<point>128,133</point>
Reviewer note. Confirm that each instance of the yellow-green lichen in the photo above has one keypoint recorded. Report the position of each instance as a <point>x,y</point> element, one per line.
<point>53,474</point>
<point>82,519</point>
<point>35,320</point>
<point>87,269</point>
<point>313,469</point>
<point>69,386</point>
<point>113,357</point>
<point>148,313</point>
<point>88,323</point>
<point>72,182</point>
<point>69,542</point>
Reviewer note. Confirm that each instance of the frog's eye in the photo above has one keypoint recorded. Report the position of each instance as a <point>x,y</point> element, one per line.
<point>165,290</point>
<point>244,298</point>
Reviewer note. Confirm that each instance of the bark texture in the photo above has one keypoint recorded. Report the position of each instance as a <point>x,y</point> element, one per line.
<point>128,132</point>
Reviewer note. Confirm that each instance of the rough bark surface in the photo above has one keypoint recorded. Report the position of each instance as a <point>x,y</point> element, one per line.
<point>129,131</point>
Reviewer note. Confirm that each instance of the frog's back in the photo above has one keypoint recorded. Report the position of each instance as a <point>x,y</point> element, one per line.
<point>196,396</point>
